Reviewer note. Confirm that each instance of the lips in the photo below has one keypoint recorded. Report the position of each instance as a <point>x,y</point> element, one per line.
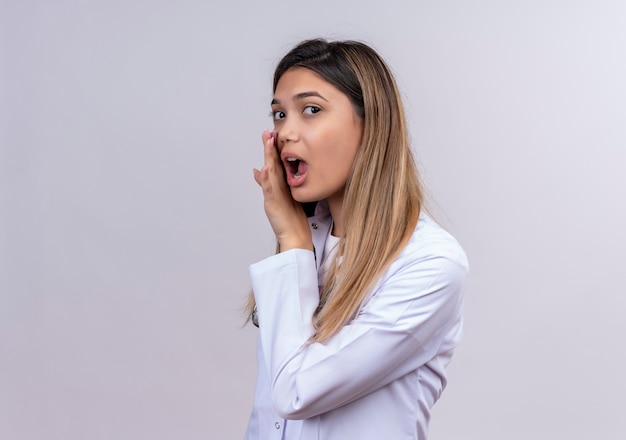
<point>295,170</point>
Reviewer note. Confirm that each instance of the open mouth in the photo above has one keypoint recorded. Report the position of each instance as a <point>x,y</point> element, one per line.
<point>294,166</point>
<point>295,170</point>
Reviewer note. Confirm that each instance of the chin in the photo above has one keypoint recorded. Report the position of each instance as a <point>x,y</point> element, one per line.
<point>300,196</point>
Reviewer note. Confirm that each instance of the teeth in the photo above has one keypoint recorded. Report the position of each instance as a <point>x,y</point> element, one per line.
<point>291,159</point>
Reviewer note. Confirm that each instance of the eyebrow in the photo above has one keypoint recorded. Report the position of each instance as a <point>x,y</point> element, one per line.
<point>300,96</point>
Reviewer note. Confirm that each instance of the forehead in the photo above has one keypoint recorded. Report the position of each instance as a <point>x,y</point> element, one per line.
<point>297,80</point>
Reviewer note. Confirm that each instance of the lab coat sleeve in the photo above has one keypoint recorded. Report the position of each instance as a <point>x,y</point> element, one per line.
<point>401,327</point>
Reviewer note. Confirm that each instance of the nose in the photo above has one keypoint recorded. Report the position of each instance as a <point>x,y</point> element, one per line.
<point>287,131</point>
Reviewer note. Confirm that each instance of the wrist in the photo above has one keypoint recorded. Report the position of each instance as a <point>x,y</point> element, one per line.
<point>288,243</point>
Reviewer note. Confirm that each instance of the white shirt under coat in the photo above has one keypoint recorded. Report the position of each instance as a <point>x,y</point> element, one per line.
<point>379,376</point>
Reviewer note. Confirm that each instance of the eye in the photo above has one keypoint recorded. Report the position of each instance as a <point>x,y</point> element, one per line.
<point>311,109</point>
<point>278,114</point>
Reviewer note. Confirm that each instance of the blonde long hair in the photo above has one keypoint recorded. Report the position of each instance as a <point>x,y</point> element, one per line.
<point>383,195</point>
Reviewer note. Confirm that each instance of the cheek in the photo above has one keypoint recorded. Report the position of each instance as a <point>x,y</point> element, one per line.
<point>349,146</point>
<point>341,160</point>
<point>334,147</point>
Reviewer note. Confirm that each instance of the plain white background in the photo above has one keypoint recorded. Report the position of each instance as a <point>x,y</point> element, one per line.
<point>129,215</point>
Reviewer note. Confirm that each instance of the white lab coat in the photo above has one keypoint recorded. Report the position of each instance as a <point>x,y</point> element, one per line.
<point>380,375</point>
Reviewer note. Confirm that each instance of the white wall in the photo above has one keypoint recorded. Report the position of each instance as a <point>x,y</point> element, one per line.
<point>128,212</point>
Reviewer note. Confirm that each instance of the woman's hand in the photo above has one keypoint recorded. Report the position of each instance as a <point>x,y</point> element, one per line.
<point>285,214</point>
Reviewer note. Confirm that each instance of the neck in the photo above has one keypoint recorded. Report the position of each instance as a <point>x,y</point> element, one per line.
<point>335,205</point>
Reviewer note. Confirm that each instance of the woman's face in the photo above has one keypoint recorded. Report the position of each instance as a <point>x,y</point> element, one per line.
<point>318,135</point>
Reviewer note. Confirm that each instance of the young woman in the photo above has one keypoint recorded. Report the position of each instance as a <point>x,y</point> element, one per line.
<point>359,311</point>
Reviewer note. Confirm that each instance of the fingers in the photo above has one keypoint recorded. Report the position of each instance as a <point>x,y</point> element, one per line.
<point>261,176</point>
<point>257,175</point>
<point>269,148</point>
<point>272,168</point>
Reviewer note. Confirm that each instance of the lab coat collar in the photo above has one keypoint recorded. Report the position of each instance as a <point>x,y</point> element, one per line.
<point>320,225</point>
